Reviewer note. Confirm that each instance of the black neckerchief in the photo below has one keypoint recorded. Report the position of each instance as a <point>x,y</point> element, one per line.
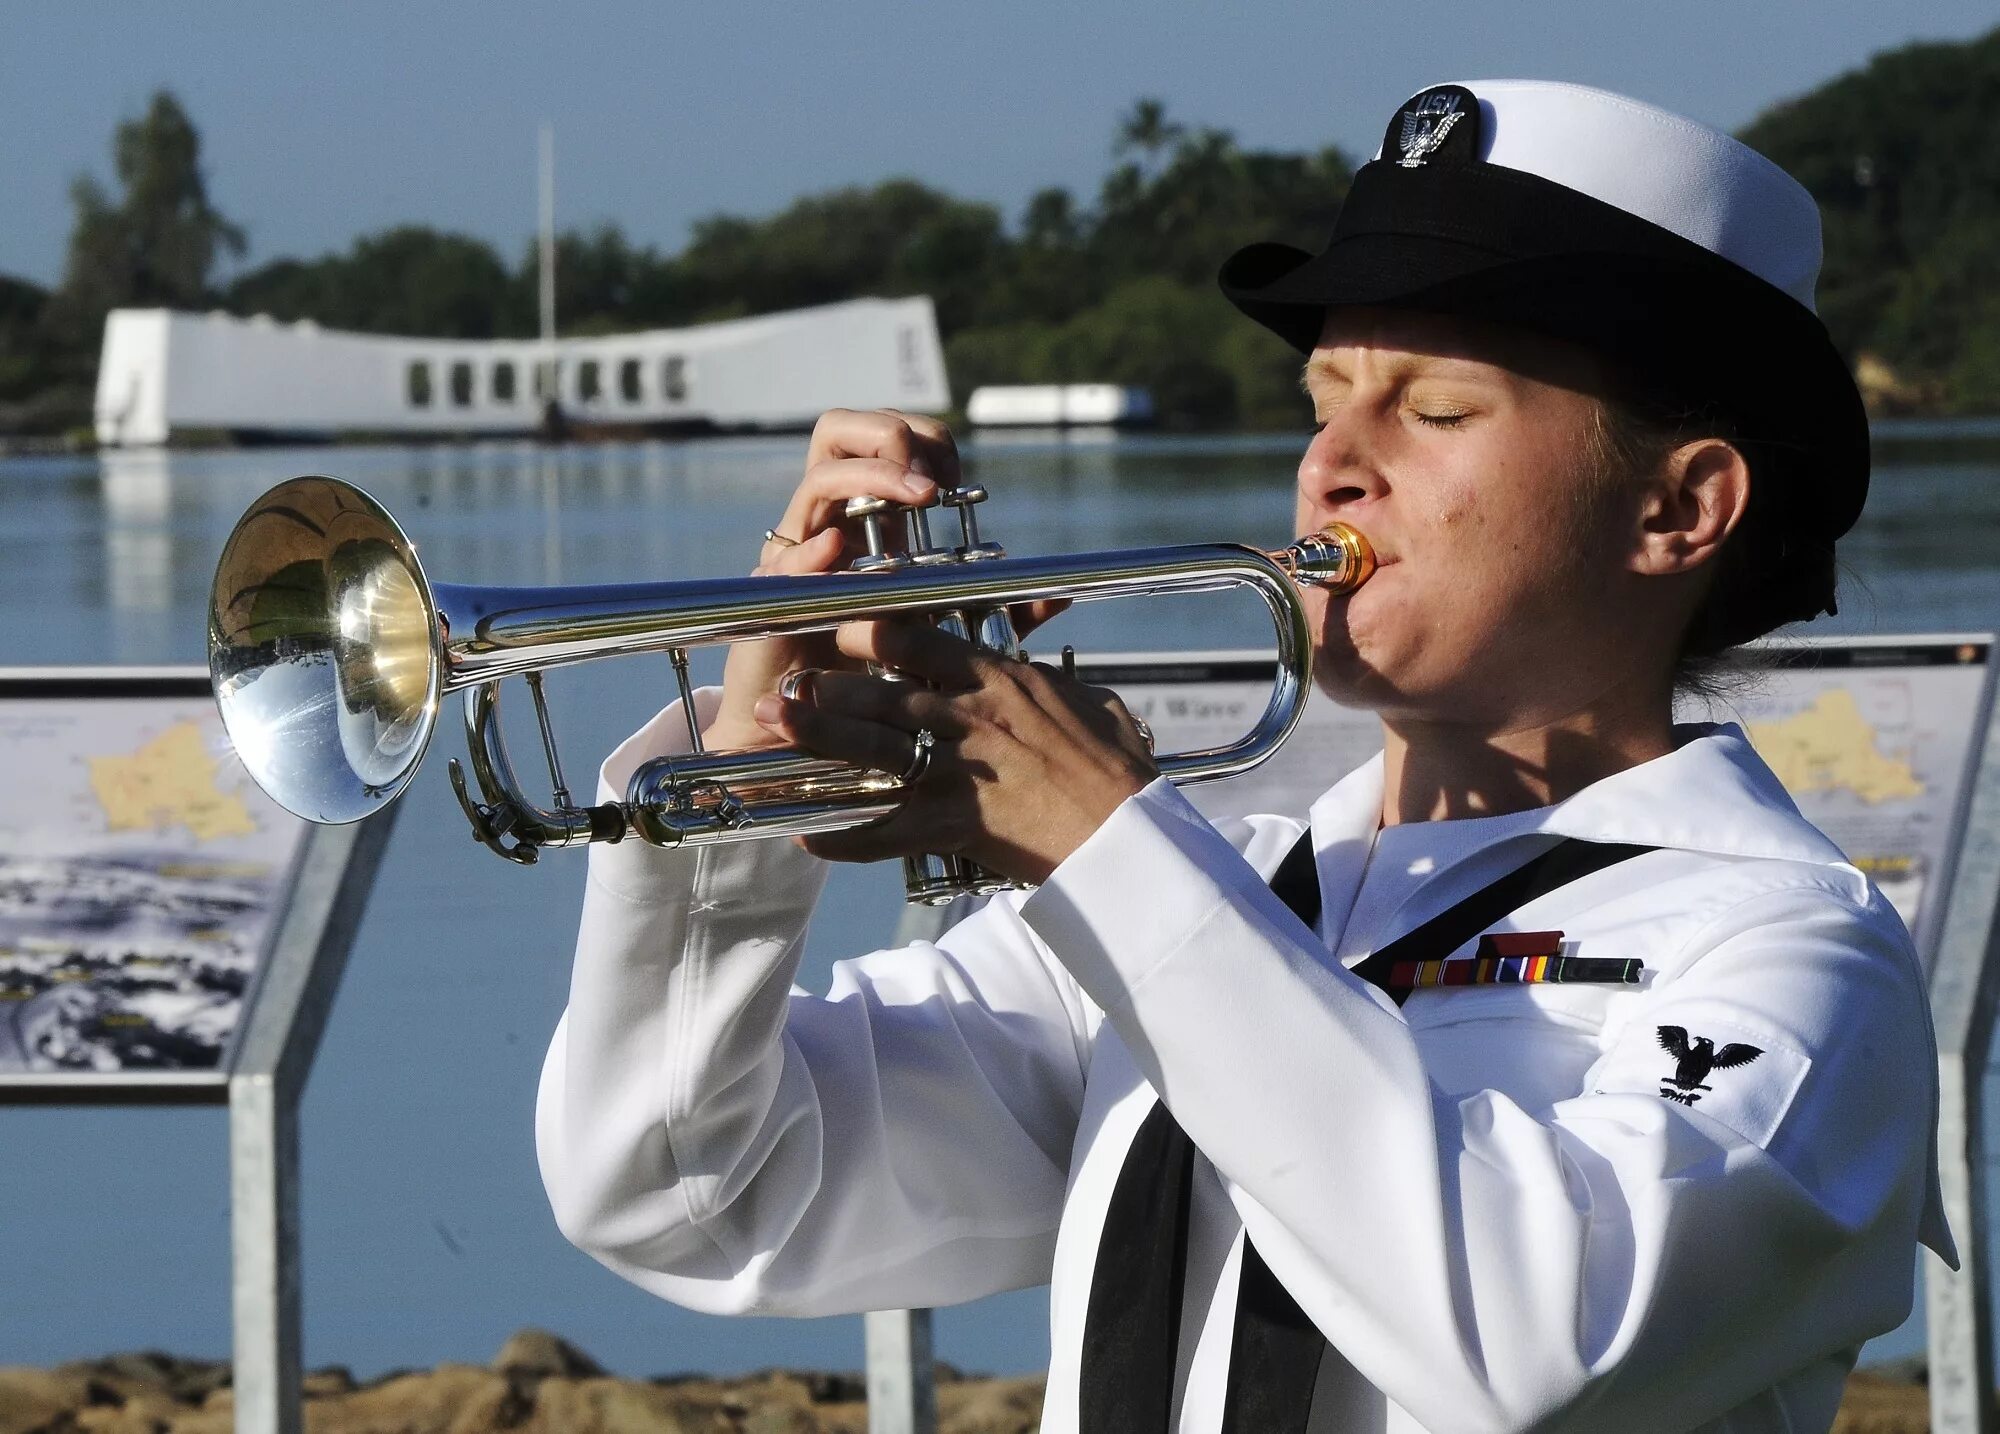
<point>1131,1336</point>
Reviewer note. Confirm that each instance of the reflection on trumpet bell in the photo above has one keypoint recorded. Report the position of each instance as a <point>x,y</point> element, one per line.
<point>330,650</point>
<point>322,640</point>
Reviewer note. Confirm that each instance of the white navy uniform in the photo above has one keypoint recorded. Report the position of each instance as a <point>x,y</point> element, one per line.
<point>1496,1203</point>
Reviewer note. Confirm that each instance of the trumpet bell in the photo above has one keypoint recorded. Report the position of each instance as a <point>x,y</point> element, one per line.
<point>325,649</point>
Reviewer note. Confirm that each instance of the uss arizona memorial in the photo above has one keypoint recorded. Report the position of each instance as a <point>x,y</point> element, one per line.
<point>165,373</point>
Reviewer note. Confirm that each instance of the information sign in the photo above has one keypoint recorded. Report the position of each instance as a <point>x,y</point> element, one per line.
<point>142,875</point>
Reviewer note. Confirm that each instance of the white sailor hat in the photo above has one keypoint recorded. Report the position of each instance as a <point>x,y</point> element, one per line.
<point>1678,254</point>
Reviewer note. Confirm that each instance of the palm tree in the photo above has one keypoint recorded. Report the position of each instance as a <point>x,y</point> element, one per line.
<point>1146,130</point>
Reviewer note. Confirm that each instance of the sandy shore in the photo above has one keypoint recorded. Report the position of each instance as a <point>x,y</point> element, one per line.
<point>539,1384</point>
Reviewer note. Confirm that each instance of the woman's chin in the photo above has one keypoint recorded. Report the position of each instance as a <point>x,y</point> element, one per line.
<point>1348,658</point>
<point>1345,675</point>
<point>1360,663</point>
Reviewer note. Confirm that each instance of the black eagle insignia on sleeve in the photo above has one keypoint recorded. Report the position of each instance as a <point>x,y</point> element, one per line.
<point>1695,1058</point>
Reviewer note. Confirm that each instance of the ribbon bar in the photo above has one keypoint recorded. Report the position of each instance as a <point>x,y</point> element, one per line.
<point>1515,971</point>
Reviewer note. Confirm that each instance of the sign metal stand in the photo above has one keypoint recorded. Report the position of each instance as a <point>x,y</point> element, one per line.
<point>1965,987</point>
<point>902,1388</point>
<point>329,894</point>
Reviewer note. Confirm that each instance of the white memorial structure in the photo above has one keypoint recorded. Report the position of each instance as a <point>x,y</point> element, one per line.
<point>165,373</point>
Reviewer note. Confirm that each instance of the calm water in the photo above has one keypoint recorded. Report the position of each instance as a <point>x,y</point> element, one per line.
<point>426,1235</point>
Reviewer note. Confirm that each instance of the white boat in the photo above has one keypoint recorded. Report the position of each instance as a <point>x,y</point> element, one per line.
<point>165,373</point>
<point>1054,405</point>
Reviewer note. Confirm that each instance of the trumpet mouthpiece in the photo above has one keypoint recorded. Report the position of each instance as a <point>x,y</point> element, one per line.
<point>1336,558</point>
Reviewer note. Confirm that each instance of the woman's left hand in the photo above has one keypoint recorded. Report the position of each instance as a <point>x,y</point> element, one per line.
<point>1027,762</point>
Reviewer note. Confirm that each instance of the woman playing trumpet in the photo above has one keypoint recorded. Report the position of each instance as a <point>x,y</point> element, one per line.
<point>1556,1074</point>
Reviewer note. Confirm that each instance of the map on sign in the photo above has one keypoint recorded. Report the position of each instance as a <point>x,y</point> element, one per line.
<point>1831,747</point>
<point>169,782</point>
<point>140,870</point>
<point>1874,742</point>
<point>1874,739</point>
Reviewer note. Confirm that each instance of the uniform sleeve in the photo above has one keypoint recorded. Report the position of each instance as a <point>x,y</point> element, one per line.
<point>736,1145</point>
<point>1620,1259</point>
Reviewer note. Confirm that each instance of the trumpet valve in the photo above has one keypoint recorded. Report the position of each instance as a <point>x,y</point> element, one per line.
<point>924,548</point>
<point>966,499</point>
<point>874,515</point>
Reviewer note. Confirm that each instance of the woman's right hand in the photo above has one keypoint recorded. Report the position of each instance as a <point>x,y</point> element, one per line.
<point>903,458</point>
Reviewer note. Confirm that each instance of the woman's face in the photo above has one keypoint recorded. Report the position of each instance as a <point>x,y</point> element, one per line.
<point>1469,458</point>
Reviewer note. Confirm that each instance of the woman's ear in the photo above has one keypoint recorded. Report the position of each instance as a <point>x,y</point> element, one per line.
<point>1693,501</point>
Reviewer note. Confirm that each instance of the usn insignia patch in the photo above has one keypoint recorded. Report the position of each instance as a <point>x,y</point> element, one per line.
<point>1439,125</point>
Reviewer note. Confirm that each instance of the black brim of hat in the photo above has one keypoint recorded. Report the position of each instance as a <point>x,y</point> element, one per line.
<point>1289,291</point>
<point>1676,317</point>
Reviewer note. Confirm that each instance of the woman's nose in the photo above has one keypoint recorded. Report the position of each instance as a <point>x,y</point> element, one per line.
<point>1337,467</point>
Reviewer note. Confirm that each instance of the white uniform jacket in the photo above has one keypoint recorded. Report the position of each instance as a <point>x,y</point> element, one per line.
<point>1495,1202</point>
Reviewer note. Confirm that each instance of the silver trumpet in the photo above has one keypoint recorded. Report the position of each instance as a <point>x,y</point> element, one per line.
<point>330,651</point>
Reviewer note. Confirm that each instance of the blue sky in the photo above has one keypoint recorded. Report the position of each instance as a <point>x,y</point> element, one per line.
<point>325,122</point>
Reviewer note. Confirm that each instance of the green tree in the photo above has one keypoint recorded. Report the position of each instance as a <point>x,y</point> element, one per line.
<point>892,238</point>
<point>27,399</point>
<point>957,256</point>
<point>1158,334</point>
<point>408,280</point>
<point>1146,131</point>
<point>1152,333</point>
<point>601,283</point>
<point>1210,197</point>
<point>1900,155</point>
<point>156,242</point>
<point>21,341</point>
<point>1047,273</point>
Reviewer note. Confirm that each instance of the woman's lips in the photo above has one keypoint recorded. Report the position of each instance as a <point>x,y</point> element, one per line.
<point>1382,565</point>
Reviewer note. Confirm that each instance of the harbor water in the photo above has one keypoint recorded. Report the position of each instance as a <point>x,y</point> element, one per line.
<point>426,1236</point>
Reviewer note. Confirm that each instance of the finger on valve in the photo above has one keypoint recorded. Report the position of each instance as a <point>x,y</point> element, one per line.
<point>822,496</point>
<point>917,649</point>
<point>834,734</point>
<point>912,441</point>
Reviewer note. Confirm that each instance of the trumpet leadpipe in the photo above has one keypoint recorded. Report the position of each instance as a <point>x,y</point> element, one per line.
<point>495,632</point>
<point>331,649</point>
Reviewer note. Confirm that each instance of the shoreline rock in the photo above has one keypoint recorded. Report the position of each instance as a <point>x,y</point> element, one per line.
<point>539,1383</point>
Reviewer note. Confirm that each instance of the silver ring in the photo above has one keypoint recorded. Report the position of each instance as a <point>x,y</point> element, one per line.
<point>1145,730</point>
<point>920,757</point>
<point>772,535</point>
<point>796,685</point>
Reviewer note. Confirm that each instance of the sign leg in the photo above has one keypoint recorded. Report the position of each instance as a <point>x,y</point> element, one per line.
<point>902,1396</point>
<point>1965,994</point>
<point>293,1001</point>
<point>264,1238</point>
<point>1955,1303</point>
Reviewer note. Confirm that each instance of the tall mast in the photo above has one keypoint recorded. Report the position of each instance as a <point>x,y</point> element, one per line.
<point>548,257</point>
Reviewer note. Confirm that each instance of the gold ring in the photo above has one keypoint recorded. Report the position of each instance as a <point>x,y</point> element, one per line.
<point>772,535</point>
